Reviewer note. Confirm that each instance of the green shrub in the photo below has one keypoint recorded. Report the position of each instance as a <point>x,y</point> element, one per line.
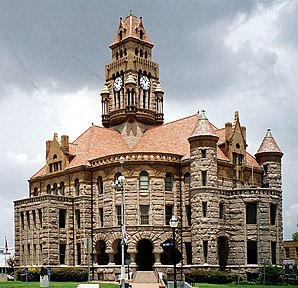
<point>212,276</point>
<point>60,274</point>
<point>273,275</point>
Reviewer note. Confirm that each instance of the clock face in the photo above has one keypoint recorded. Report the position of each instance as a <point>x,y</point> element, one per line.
<point>145,83</point>
<point>117,85</point>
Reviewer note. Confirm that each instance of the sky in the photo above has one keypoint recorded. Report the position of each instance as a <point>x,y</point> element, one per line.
<point>220,56</point>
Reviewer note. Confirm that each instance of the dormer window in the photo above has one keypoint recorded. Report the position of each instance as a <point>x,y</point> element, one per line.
<point>141,34</point>
<point>120,35</point>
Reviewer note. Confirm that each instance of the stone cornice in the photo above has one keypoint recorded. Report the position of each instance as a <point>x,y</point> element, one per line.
<point>137,157</point>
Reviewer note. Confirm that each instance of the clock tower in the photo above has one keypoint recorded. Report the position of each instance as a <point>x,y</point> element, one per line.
<point>132,98</point>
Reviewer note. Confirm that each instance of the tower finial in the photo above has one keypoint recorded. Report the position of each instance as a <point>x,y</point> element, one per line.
<point>130,13</point>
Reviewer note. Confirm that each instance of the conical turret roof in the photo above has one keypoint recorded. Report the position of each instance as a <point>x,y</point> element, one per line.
<point>203,127</point>
<point>269,145</point>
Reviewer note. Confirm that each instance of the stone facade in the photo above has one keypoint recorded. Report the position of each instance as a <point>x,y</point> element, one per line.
<point>228,203</point>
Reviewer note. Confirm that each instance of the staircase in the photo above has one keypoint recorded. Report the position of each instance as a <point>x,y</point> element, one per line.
<point>145,277</point>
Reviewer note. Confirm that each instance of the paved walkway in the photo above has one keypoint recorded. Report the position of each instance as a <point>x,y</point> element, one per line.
<point>145,285</point>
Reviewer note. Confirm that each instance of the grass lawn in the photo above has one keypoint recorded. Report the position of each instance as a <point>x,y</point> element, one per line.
<point>241,286</point>
<point>18,284</point>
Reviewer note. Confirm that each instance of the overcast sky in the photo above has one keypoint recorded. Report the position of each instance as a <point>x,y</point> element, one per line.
<point>221,56</point>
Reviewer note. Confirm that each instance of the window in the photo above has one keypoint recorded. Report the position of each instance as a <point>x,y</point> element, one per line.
<point>221,210</point>
<point>187,179</point>
<point>169,182</point>
<point>188,215</point>
<point>40,254</point>
<point>55,189</point>
<point>62,218</point>
<point>118,211</point>
<point>49,189</point>
<point>78,218</point>
<point>62,250</point>
<point>100,185</point>
<point>40,217</point>
<point>252,252</point>
<point>205,250</point>
<point>22,220</point>
<point>273,208</point>
<point>188,250</point>
<point>265,167</point>
<point>62,188</point>
<point>77,186</point>
<point>251,213</point>
<point>273,253</point>
<point>144,180</point>
<point>28,252</point>
<point>169,213</point>
<point>79,254</point>
<point>28,218</point>
<point>204,178</point>
<point>204,207</point>
<point>203,153</point>
<point>34,217</point>
<point>287,250</point>
<point>144,210</point>
<point>100,217</point>
<point>35,193</point>
<point>296,252</point>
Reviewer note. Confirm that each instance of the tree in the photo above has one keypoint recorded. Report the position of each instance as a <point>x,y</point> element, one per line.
<point>11,261</point>
<point>295,235</point>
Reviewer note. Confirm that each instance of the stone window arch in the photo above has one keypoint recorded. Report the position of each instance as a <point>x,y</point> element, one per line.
<point>77,186</point>
<point>169,181</point>
<point>144,180</point>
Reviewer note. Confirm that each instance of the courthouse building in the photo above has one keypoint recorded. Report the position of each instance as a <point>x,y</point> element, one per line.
<point>227,201</point>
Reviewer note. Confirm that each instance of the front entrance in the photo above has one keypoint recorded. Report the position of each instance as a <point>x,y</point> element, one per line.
<point>223,252</point>
<point>145,257</point>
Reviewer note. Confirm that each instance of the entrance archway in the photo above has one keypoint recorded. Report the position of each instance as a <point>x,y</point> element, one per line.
<point>145,257</point>
<point>102,258</point>
<point>223,252</point>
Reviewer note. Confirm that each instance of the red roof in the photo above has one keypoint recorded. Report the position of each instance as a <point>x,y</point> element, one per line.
<point>131,27</point>
<point>97,142</point>
<point>269,145</point>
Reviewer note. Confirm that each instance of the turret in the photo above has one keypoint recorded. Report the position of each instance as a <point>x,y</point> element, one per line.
<point>203,154</point>
<point>269,156</point>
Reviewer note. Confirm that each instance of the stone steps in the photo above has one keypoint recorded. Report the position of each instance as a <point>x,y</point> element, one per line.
<point>145,277</point>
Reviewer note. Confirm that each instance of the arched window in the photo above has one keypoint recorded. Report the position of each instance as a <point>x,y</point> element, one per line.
<point>141,34</point>
<point>62,188</point>
<point>136,51</point>
<point>169,182</point>
<point>117,55</point>
<point>125,52</point>
<point>121,53</point>
<point>146,54</point>
<point>141,52</point>
<point>120,34</point>
<point>187,178</point>
<point>77,186</point>
<point>144,180</point>
<point>49,189</point>
<point>100,185</point>
<point>117,176</point>
<point>35,192</point>
<point>55,189</point>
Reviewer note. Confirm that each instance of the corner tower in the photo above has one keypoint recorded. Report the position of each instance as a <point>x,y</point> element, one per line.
<point>132,97</point>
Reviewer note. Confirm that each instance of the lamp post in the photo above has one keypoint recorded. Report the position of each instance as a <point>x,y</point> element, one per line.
<point>174,223</point>
<point>119,186</point>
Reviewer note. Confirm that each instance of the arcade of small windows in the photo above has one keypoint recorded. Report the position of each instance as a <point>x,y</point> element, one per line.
<point>55,166</point>
<point>120,54</point>
<point>141,53</point>
<point>55,190</point>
